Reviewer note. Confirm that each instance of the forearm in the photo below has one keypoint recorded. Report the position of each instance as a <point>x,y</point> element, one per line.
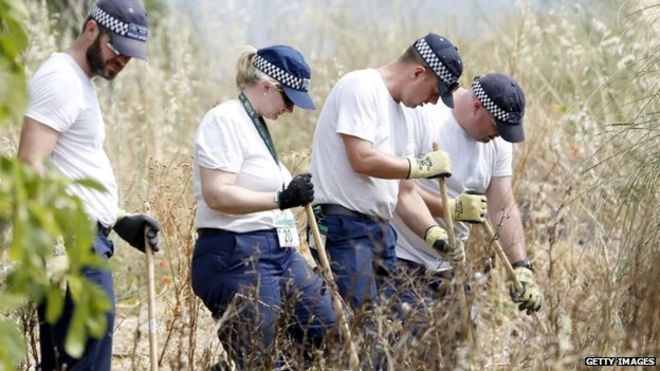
<point>508,224</point>
<point>233,199</point>
<point>381,165</point>
<point>365,159</point>
<point>433,202</point>
<point>412,210</point>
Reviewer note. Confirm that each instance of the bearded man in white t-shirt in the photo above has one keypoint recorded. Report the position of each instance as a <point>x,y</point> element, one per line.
<point>63,126</point>
<point>361,152</point>
<point>477,133</point>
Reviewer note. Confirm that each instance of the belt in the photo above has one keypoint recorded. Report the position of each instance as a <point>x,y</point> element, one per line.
<point>334,209</point>
<point>103,229</point>
<point>421,270</point>
<point>201,232</point>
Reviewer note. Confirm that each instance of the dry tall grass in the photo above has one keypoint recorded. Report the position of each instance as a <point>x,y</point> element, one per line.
<point>587,178</point>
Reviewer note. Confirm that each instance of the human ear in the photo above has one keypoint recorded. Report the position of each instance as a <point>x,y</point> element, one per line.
<point>91,29</point>
<point>419,71</point>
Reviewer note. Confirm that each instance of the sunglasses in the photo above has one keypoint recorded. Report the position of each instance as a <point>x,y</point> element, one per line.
<point>110,46</point>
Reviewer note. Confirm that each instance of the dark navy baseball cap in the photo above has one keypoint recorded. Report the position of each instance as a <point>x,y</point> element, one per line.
<point>504,99</point>
<point>287,65</point>
<point>443,58</point>
<point>127,20</point>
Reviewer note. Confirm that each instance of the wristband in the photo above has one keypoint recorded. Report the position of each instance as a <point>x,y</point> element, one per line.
<point>523,263</point>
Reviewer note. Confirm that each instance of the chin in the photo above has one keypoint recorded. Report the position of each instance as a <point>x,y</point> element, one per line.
<point>108,72</point>
<point>105,74</point>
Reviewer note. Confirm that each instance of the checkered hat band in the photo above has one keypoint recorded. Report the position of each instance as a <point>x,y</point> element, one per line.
<point>279,74</point>
<point>491,107</point>
<point>434,62</point>
<point>117,26</point>
<point>108,21</point>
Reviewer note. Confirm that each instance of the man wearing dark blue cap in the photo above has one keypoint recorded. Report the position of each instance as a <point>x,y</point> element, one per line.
<point>63,125</point>
<point>477,134</point>
<point>360,154</point>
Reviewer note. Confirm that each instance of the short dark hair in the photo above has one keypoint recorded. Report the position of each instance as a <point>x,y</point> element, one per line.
<point>412,56</point>
<point>90,18</point>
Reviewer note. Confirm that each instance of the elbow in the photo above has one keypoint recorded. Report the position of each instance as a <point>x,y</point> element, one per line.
<point>31,161</point>
<point>361,167</point>
<point>213,201</point>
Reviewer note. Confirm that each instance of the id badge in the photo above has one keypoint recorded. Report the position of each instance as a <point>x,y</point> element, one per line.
<point>287,233</point>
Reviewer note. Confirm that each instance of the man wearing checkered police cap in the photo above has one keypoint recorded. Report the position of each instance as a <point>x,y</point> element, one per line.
<point>503,98</point>
<point>63,125</point>
<point>128,24</point>
<point>478,134</point>
<point>441,56</point>
<point>360,157</point>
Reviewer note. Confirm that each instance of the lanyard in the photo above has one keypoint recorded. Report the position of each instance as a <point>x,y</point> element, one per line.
<point>259,123</point>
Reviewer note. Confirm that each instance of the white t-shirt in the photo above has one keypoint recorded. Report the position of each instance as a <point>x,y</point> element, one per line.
<point>359,105</point>
<point>227,140</point>
<point>473,165</point>
<point>63,98</point>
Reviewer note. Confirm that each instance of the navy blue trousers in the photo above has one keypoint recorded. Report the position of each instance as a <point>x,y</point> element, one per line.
<point>251,274</point>
<point>362,257</point>
<point>98,352</point>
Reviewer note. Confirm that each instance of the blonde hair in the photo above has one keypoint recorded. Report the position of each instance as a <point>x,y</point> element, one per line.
<point>246,73</point>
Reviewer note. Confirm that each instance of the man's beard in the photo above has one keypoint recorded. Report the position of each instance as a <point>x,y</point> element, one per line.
<point>94,57</point>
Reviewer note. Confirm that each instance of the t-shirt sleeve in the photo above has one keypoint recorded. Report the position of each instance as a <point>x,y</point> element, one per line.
<point>503,159</point>
<point>218,144</point>
<point>55,100</point>
<point>357,110</point>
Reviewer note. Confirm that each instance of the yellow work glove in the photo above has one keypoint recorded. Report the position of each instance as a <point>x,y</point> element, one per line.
<point>470,208</point>
<point>436,239</point>
<point>431,165</point>
<point>530,297</point>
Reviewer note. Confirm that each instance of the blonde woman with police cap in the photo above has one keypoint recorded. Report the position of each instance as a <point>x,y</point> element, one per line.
<point>247,234</point>
<point>478,134</point>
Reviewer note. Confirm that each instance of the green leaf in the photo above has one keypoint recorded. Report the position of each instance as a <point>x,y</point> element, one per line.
<point>18,9</point>
<point>54,304</point>
<point>10,301</point>
<point>96,325</point>
<point>74,344</point>
<point>12,345</point>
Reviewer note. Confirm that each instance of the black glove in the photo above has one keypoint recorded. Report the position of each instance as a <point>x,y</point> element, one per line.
<point>299,192</point>
<point>131,229</point>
